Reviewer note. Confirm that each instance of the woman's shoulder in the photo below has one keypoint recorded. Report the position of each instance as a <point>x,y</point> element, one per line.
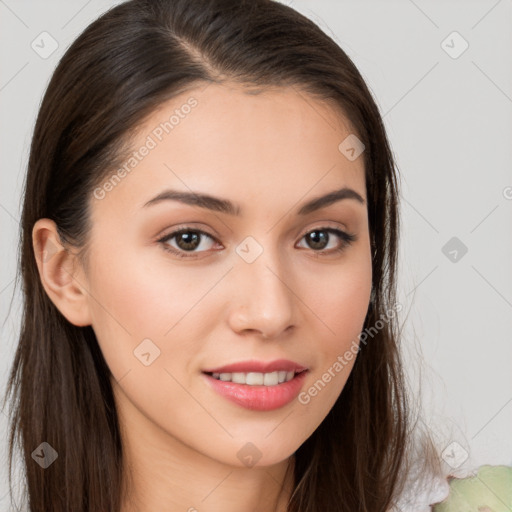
<point>421,494</point>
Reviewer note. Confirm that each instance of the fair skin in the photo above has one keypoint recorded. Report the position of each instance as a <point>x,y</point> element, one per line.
<point>269,153</point>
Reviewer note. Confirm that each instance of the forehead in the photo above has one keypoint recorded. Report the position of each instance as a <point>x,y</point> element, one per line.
<point>229,141</point>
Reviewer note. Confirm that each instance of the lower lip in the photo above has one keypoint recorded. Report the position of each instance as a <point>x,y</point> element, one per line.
<point>259,398</point>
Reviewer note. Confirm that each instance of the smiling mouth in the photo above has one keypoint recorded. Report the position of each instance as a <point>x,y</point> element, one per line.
<point>256,378</point>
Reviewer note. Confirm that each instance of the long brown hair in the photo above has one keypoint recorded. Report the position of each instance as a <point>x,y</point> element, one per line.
<point>118,71</point>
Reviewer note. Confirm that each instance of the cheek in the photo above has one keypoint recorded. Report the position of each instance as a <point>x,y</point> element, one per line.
<point>346,302</point>
<point>340,298</point>
<point>133,302</point>
<point>342,304</point>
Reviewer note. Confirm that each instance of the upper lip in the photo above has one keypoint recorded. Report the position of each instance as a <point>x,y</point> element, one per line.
<point>258,366</point>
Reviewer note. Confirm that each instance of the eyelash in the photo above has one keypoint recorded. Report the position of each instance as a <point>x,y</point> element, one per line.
<point>348,239</point>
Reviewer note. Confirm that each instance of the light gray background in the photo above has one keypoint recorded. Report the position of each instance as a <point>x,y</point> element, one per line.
<point>449,122</point>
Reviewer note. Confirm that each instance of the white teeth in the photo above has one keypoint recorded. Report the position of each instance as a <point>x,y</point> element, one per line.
<point>238,378</point>
<point>269,379</point>
<point>252,379</point>
<point>255,378</point>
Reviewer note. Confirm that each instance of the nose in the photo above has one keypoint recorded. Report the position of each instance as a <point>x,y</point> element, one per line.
<point>264,300</point>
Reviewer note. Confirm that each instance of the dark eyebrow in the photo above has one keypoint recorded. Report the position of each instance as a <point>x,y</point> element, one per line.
<point>197,199</point>
<point>225,206</point>
<point>332,197</point>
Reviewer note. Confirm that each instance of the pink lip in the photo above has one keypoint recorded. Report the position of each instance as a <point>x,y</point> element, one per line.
<point>259,366</point>
<point>258,398</point>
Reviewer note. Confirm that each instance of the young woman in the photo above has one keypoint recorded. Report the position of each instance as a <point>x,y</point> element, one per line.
<point>209,244</point>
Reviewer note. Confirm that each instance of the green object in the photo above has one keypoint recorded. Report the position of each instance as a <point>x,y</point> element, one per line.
<point>490,490</point>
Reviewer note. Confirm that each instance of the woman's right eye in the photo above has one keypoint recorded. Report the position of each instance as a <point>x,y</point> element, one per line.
<point>187,241</point>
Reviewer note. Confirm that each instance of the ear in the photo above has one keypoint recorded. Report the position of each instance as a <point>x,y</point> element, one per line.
<point>61,273</point>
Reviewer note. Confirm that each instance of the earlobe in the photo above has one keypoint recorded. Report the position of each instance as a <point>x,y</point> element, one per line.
<point>60,273</point>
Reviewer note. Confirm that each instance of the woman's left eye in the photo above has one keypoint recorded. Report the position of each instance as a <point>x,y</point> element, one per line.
<point>317,237</point>
<point>188,239</point>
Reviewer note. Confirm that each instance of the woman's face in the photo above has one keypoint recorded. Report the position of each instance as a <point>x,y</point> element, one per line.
<point>246,281</point>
